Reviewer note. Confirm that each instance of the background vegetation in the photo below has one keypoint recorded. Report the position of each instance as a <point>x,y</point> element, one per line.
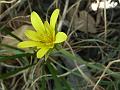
<point>89,59</point>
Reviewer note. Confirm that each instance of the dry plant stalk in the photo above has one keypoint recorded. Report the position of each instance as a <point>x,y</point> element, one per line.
<point>107,67</point>
<point>9,9</point>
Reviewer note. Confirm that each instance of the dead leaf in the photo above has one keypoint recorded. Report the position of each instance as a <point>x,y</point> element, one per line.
<point>13,42</point>
<point>19,33</point>
<point>83,21</point>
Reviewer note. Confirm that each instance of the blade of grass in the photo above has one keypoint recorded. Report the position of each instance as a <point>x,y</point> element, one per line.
<point>96,66</point>
<point>54,75</point>
<point>43,84</point>
<point>6,31</point>
<point>66,84</point>
<point>11,47</point>
<point>15,72</point>
<point>3,58</point>
<point>43,80</point>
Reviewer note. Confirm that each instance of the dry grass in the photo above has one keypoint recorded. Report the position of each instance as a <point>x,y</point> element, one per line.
<point>88,60</point>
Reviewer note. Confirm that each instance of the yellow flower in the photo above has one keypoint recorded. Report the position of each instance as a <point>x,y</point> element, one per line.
<point>44,37</point>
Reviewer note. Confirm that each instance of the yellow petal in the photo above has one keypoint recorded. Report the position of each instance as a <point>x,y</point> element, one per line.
<point>26,44</point>
<point>50,32</point>
<point>60,37</point>
<point>47,45</point>
<point>42,52</point>
<point>53,18</point>
<point>32,35</point>
<point>47,28</point>
<point>37,22</point>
